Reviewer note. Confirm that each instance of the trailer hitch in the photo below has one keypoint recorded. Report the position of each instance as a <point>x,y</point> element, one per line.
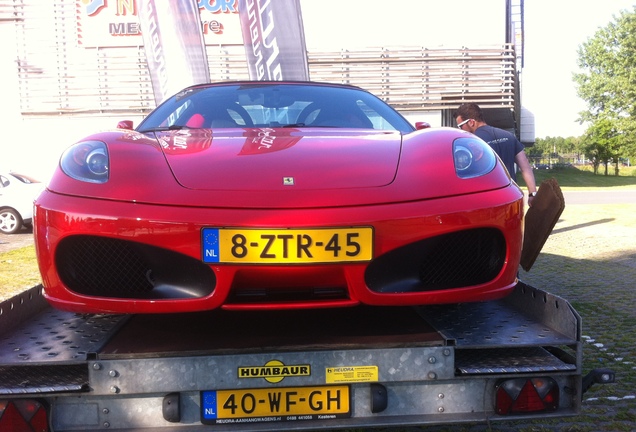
<point>597,376</point>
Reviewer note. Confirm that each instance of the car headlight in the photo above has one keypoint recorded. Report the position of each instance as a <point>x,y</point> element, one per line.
<point>86,161</point>
<point>473,157</point>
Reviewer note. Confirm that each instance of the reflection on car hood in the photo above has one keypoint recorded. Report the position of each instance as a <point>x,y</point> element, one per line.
<point>267,159</point>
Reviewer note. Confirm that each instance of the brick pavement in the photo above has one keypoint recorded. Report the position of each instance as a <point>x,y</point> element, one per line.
<point>590,260</point>
<point>590,257</point>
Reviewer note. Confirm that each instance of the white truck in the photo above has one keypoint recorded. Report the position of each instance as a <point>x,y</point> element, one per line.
<point>516,358</point>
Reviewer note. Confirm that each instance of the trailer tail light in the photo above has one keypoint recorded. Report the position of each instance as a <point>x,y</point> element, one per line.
<point>526,395</point>
<point>23,415</point>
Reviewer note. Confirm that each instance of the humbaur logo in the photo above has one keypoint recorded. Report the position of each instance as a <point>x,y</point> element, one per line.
<point>274,371</point>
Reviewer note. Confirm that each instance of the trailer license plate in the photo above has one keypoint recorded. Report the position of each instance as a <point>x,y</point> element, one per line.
<point>275,404</point>
<point>287,246</point>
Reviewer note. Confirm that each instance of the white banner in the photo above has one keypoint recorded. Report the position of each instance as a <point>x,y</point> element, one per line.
<point>174,45</point>
<point>274,40</point>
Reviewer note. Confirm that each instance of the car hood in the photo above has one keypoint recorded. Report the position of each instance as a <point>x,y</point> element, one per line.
<point>282,168</point>
<point>268,159</point>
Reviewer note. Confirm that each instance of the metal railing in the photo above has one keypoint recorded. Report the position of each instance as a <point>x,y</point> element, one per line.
<point>59,76</point>
<point>425,79</point>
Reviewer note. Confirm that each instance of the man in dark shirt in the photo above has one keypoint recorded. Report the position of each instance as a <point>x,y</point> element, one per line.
<point>470,118</point>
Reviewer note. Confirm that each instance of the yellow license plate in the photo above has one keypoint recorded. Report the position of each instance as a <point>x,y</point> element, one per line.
<point>287,246</point>
<point>275,404</point>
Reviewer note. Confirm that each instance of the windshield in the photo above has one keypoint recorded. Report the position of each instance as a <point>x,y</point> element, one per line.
<point>269,105</point>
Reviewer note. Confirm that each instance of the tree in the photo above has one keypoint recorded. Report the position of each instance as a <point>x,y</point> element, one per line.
<point>604,144</point>
<point>557,149</point>
<point>608,84</point>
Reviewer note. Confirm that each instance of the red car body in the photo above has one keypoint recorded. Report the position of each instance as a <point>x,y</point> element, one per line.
<point>261,216</point>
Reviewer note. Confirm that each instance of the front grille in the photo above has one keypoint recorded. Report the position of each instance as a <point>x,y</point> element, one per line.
<point>286,295</point>
<point>107,267</point>
<point>453,260</point>
<point>288,285</point>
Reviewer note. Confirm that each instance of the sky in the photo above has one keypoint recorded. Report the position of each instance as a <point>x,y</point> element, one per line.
<point>553,32</point>
<point>554,29</point>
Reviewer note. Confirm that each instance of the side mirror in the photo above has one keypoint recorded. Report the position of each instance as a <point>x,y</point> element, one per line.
<point>125,124</point>
<point>422,125</point>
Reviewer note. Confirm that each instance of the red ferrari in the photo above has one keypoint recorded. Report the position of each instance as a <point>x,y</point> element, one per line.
<point>276,195</point>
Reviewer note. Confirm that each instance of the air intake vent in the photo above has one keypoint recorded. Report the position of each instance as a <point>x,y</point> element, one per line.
<point>448,261</point>
<point>107,267</point>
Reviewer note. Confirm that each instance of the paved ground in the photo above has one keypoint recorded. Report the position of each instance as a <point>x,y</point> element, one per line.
<point>590,259</point>
<point>15,241</point>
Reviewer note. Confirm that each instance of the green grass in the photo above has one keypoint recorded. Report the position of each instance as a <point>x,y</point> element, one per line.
<point>576,178</point>
<point>18,271</point>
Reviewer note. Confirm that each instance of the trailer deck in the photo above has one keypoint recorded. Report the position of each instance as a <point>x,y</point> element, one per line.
<point>412,365</point>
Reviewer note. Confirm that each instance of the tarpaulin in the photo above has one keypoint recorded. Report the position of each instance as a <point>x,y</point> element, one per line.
<point>274,40</point>
<point>174,45</point>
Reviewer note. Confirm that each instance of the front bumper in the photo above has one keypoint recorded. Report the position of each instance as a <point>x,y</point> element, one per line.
<point>137,258</point>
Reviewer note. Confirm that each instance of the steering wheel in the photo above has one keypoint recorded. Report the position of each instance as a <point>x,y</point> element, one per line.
<point>242,113</point>
<point>307,111</point>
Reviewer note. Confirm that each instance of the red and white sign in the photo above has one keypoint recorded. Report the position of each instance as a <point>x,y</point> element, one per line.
<point>115,23</point>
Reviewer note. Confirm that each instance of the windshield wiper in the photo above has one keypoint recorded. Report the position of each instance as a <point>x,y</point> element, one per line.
<point>293,125</point>
<point>164,128</point>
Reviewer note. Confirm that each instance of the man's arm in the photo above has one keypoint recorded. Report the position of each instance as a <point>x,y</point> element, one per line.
<point>526,172</point>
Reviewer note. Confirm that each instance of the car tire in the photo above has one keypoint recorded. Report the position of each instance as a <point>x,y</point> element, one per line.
<point>10,221</point>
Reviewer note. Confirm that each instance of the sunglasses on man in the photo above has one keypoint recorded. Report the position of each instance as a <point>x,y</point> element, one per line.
<point>459,125</point>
